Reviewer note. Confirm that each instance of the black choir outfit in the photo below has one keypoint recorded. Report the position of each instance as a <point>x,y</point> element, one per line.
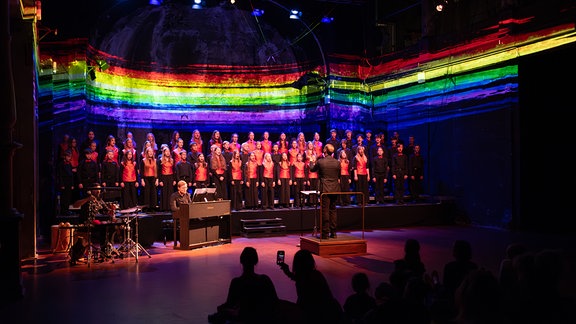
<point>110,175</point>
<point>416,172</point>
<point>88,172</point>
<point>399,174</point>
<point>185,171</point>
<point>65,184</point>
<point>380,170</point>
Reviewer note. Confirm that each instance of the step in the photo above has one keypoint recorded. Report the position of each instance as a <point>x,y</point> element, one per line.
<point>258,221</point>
<point>263,227</point>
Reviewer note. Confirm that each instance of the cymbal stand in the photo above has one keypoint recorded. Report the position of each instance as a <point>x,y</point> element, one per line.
<point>130,246</point>
<point>92,251</point>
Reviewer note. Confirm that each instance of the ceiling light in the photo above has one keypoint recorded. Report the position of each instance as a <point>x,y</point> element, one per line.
<point>327,20</point>
<point>257,12</point>
<point>295,14</point>
<point>441,5</point>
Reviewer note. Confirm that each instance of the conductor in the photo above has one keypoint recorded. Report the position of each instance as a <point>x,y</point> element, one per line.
<point>328,169</point>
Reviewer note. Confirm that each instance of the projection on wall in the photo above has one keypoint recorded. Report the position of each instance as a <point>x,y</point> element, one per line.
<point>224,68</point>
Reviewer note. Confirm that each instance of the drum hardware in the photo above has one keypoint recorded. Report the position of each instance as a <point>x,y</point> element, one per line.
<point>88,250</point>
<point>130,246</point>
<point>109,251</point>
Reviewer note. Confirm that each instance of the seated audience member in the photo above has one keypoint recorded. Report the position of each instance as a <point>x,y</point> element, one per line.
<point>314,295</point>
<point>388,305</point>
<point>506,272</point>
<point>477,300</point>
<point>251,297</point>
<point>455,271</point>
<point>407,267</point>
<point>360,302</point>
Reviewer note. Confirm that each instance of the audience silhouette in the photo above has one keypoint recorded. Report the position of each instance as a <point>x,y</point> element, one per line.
<point>455,271</point>
<point>506,273</point>
<point>536,297</point>
<point>526,290</point>
<point>409,266</point>
<point>414,301</point>
<point>477,300</point>
<point>251,297</point>
<point>360,302</point>
<point>387,309</point>
<point>314,295</point>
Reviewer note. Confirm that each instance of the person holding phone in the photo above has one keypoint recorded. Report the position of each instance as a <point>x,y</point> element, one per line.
<point>314,296</point>
<point>328,169</point>
<point>251,297</point>
<point>280,256</point>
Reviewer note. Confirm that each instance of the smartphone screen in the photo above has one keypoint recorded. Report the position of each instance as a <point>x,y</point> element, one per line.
<point>279,257</point>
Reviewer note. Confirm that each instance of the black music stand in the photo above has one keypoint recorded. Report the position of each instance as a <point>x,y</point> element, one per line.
<point>204,195</point>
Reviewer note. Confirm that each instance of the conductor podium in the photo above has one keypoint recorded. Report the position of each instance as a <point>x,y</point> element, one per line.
<point>202,223</point>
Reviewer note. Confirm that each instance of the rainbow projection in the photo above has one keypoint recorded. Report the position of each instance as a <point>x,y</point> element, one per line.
<point>204,94</point>
<point>281,86</point>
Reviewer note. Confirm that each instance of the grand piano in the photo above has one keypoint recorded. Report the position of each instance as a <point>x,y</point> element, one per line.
<point>202,223</point>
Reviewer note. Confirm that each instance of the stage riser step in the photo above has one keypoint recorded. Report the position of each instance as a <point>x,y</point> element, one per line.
<point>263,227</point>
<point>264,234</point>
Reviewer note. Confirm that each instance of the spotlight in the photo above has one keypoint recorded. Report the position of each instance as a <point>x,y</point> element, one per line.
<point>257,12</point>
<point>103,65</point>
<point>155,2</point>
<point>295,14</point>
<point>198,4</point>
<point>327,20</point>
<point>441,5</point>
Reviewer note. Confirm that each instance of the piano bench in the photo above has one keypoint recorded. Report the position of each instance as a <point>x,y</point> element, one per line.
<point>168,230</point>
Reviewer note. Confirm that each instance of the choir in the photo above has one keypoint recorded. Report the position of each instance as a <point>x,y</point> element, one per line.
<point>256,174</point>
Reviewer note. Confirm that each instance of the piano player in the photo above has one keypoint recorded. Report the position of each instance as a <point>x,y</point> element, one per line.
<point>181,196</point>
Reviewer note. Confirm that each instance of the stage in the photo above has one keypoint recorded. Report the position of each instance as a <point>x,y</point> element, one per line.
<point>428,212</point>
<point>303,221</point>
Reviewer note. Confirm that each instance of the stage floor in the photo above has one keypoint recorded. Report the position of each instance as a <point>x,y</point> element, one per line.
<point>177,286</point>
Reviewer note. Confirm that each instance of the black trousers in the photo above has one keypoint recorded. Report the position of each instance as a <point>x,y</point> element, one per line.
<point>329,220</point>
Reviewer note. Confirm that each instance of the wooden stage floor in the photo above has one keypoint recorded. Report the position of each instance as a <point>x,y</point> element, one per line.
<point>185,286</point>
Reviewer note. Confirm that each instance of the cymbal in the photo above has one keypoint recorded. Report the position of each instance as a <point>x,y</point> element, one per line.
<point>128,210</point>
<point>79,203</point>
<point>132,210</point>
